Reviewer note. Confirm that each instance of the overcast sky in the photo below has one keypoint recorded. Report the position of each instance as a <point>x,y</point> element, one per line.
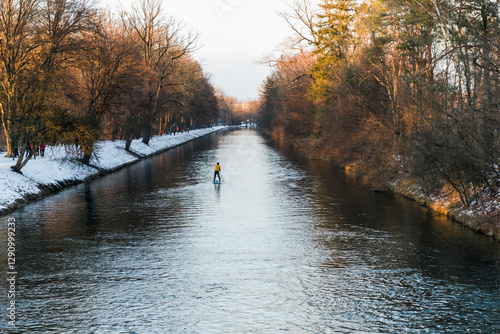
<point>234,36</point>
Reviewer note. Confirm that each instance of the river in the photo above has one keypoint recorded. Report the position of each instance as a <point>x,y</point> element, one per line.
<point>282,245</point>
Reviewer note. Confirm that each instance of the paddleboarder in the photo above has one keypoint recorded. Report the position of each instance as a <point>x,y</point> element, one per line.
<point>217,171</point>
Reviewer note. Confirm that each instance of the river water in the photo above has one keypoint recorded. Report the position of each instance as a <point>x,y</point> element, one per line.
<point>282,245</point>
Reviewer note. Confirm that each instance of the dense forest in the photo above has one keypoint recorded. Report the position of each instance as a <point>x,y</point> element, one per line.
<point>393,89</point>
<point>72,74</point>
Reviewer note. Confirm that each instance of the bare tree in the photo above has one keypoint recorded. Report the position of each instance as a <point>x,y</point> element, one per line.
<point>227,106</point>
<point>35,40</point>
<point>301,18</point>
<point>18,48</point>
<point>162,44</point>
<point>105,70</point>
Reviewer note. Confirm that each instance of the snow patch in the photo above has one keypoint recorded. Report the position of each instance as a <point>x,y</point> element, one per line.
<point>59,166</point>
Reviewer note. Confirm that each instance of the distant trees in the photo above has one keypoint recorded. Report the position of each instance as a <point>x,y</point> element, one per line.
<point>227,107</point>
<point>396,86</point>
<point>234,112</point>
<point>72,74</point>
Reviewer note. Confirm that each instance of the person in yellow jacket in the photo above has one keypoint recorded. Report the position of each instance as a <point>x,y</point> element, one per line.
<point>217,171</point>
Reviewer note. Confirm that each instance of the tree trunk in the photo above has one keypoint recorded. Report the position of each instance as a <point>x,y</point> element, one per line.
<point>488,92</point>
<point>21,162</point>
<point>147,130</point>
<point>128,139</point>
<point>7,132</point>
<point>146,134</point>
<point>87,154</point>
<point>9,142</point>
<point>128,142</point>
<point>86,158</point>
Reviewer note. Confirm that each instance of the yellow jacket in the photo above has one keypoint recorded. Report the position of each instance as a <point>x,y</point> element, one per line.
<point>217,168</point>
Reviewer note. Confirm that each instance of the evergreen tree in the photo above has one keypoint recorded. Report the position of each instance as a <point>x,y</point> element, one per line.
<point>334,44</point>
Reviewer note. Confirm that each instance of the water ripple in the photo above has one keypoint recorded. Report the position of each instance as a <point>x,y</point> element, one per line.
<point>284,245</point>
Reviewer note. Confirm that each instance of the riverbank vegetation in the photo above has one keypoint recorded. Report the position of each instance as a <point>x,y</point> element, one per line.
<point>73,74</point>
<point>402,93</point>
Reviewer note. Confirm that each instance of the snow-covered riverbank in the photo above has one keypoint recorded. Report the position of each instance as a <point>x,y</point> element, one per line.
<point>59,168</point>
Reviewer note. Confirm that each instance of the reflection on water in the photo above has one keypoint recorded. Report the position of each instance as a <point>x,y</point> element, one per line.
<point>282,245</point>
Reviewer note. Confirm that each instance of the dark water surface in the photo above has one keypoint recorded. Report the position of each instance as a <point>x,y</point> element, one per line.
<point>283,245</point>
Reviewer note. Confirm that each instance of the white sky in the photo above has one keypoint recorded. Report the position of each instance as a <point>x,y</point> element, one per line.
<point>234,36</point>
